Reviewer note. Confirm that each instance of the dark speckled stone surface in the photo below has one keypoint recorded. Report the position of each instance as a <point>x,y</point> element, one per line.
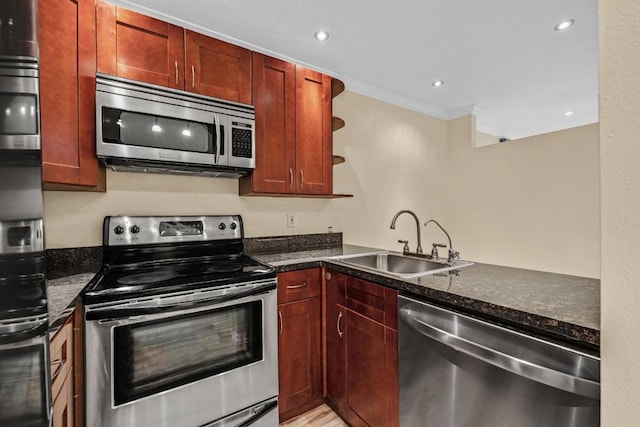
<point>69,261</point>
<point>285,244</point>
<point>555,305</point>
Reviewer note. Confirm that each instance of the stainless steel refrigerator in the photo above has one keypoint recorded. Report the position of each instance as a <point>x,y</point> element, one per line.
<point>24,339</point>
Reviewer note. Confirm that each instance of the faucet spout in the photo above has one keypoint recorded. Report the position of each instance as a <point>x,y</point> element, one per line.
<point>393,226</point>
<point>453,254</point>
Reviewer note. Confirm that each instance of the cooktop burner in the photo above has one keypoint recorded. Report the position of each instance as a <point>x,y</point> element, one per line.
<point>144,256</point>
<point>222,268</point>
<point>147,278</point>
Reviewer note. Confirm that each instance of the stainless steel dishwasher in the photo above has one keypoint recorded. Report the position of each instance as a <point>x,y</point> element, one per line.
<point>457,371</point>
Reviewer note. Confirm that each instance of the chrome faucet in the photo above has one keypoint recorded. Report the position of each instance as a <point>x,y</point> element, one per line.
<point>453,254</point>
<point>393,227</point>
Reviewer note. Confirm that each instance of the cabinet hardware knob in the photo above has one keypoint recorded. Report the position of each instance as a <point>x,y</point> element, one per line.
<point>193,76</point>
<point>327,275</point>
<point>280,318</point>
<point>176,65</point>
<point>302,285</point>
<point>291,175</point>
<point>301,178</point>
<point>338,325</point>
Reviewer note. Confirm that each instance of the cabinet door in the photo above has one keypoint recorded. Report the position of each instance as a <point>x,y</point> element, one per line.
<point>274,86</point>
<point>299,349</point>
<point>139,47</point>
<point>336,342</point>
<point>67,93</point>
<point>313,132</point>
<point>366,362</point>
<point>62,408</point>
<point>216,68</point>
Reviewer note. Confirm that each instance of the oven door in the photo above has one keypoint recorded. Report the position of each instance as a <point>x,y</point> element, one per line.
<point>24,372</point>
<point>181,360</point>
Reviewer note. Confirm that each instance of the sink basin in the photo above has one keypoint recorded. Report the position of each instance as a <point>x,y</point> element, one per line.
<point>401,265</point>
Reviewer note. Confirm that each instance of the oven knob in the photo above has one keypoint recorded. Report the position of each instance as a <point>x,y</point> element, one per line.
<point>222,226</point>
<point>118,230</point>
<point>233,226</point>
<point>135,229</point>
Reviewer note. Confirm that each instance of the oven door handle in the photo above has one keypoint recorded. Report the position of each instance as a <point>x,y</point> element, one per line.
<point>110,314</point>
<point>24,335</point>
<point>261,412</point>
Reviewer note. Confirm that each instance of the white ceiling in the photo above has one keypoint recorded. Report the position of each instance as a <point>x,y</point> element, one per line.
<point>500,59</point>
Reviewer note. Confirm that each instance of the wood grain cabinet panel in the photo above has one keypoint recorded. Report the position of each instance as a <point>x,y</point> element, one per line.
<point>216,68</point>
<point>139,47</point>
<point>63,375</point>
<point>336,342</point>
<point>274,86</point>
<point>293,130</point>
<point>313,132</point>
<point>362,351</point>
<point>300,357</point>
<point>67,94</point>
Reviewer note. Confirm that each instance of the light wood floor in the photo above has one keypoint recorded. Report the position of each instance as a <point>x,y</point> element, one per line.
<point>322,416</point>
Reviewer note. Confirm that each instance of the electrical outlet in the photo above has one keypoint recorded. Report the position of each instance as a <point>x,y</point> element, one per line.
<point>291,220</point>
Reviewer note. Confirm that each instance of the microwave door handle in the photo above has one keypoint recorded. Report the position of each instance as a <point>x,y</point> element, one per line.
<point>111,314</point>
<point>218,126</point>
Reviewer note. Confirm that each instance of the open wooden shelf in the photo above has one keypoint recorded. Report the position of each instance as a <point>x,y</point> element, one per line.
<point>306,196</point>
<point>337,87</point>
<point>337,123</point>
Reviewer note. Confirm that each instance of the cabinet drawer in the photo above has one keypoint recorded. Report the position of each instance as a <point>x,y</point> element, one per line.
<point>373,301</point>
<point>297,285</point>
<point>61,348</point>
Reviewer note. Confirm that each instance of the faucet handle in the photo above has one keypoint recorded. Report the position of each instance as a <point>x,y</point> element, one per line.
<point>434,250</point>
<point>453,255</point>
<point>405,249</point>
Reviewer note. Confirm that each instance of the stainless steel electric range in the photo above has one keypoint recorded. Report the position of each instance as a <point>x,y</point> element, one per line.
<point>180,327</point>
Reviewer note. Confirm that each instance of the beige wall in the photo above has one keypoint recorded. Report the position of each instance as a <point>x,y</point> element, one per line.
<point>619,33</point>
<point>531,203</point>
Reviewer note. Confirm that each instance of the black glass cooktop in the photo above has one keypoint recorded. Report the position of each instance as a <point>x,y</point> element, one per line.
<point>167,276</point>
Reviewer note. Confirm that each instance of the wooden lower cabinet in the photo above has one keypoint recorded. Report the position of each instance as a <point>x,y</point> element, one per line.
<point>362,353</point>
<point>66,373</point>
<point>299,344</point>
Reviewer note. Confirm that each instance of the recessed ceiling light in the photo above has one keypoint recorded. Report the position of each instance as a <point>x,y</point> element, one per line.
<point>569,113</point>
<point>321,35</point>
<point>563,25</point>
<point>437,83</point>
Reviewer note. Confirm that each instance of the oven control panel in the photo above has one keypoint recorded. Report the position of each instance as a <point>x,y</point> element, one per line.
<point>144,230</point>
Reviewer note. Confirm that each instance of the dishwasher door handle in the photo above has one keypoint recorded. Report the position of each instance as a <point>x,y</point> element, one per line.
<point>540,374</point>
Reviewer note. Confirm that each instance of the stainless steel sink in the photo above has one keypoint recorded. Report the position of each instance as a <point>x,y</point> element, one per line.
<point>401,265</point>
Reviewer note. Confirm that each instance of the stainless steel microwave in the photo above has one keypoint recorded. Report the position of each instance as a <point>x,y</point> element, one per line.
<point>149,128</point>
<point>19,104</point>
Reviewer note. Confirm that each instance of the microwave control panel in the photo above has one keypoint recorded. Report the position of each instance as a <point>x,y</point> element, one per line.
<point>241,140</point>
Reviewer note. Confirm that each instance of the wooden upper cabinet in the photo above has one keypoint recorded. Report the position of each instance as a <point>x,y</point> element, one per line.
<point>67,40</point>
<point>274,88</point>
<point>293,130</point>
<point>313,132</point>
<point>216,68</point>
<point>139,47</point>
<point>146,49</point>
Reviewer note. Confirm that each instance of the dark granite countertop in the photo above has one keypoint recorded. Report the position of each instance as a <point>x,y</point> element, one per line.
<point>555,305</point>
<point>62,297</point>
